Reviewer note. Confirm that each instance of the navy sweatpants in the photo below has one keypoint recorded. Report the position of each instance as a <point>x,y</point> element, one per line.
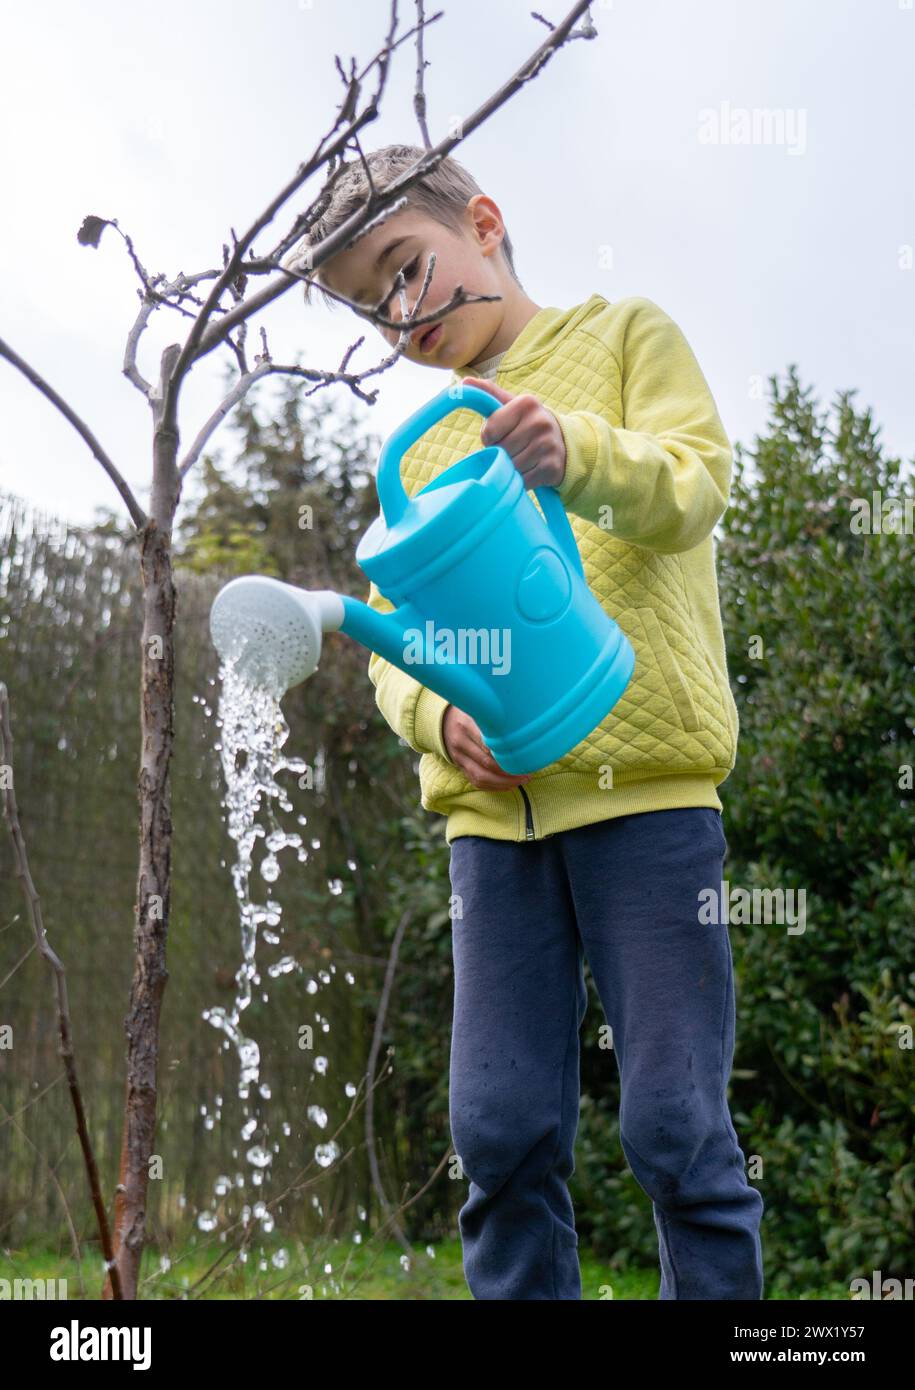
<point>625,894</point>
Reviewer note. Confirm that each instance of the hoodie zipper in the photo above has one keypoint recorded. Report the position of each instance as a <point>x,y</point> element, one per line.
<point>528,813</point>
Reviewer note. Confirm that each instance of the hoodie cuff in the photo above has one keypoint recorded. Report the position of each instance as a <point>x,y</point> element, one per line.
<point>581,454</point>
<point>427,723</point>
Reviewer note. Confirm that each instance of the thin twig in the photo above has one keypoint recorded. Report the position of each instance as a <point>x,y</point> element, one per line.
<point>150,300</point>
<point>587,30</point>
<point>74,1238</point>
<point>33,902</point>
<point>373,1057</point>
<point>375,316</point>
<point>419,96</point>
<point>32,1100</point>
<point>321,378</point>
<point>194,345</point>
<point>238,392</point>
<point>200,341</point>
<point>20,962</point>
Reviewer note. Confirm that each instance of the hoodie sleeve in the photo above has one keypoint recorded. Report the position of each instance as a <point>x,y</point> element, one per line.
<point>665,473</point>
<point>413,711</point>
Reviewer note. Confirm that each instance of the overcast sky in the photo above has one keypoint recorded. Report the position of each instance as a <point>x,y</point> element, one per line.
<point>636,164</point>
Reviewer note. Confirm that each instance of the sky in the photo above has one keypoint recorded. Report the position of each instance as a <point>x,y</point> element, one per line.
<point>746,164</point>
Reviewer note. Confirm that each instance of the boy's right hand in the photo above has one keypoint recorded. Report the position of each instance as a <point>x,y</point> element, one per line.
<point>467,751</point>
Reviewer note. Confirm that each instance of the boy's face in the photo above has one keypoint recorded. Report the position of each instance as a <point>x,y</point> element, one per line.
<point>365,273</point>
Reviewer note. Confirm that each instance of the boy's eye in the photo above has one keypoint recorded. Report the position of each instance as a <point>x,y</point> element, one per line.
<point>409,270</point>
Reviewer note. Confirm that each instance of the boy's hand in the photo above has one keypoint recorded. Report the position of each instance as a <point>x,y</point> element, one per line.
<point>467,751</point>
<point>528,432</point>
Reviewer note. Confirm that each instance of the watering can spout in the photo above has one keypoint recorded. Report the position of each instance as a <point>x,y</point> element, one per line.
<point>393,635</point>
<point>270,632</point>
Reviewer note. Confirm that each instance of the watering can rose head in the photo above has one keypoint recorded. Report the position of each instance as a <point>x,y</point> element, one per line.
<point>270,632</point>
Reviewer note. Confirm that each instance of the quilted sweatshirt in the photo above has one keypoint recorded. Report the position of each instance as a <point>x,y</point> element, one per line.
<point>648,468</point>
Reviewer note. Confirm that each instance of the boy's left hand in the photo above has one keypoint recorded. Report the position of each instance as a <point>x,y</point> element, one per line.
<point>528,432</point>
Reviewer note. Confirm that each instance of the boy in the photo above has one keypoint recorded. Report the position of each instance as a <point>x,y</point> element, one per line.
<point>603,854</point>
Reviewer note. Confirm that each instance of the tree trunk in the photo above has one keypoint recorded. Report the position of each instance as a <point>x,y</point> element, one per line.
<point>154,872</point>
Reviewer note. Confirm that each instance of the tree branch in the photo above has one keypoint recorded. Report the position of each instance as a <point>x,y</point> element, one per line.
<point>419,96</point>
<point>150,300</point>
<point>193,346</point>
<point>365,220</point>
<point>377,1034</point>
<point>266,367</point>
<point>375,316</point>
<point>201,342</point>
<point>137,514</point>
<point>238,392</point>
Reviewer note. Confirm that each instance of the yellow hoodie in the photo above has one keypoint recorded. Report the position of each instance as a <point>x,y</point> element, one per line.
<point>648,468</point>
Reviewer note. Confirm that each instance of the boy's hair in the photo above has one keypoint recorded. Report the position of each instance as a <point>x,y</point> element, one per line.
<point>442,194</point>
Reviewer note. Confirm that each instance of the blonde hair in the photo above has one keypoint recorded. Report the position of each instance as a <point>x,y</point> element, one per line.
<point>442,194</point>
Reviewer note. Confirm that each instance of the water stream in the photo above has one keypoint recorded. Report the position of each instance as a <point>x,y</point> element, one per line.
<point>252,735</point>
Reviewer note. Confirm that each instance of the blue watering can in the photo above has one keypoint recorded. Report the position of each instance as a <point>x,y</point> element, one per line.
<point>492,610</point>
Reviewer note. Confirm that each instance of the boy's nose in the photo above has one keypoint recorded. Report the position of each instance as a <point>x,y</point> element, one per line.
<point>396,313</point>
<point>397,317</point>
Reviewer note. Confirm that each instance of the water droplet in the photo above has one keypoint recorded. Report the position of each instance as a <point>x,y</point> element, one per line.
<point>259,1157</point>
<point>282,967</point>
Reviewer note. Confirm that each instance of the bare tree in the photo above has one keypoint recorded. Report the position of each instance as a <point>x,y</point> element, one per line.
<point>219,306</point>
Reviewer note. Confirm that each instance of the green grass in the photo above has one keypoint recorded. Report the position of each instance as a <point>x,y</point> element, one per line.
<point>357,1273</point>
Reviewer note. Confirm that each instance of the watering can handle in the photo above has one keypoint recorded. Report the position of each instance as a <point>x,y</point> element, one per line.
<point>391,491</point>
